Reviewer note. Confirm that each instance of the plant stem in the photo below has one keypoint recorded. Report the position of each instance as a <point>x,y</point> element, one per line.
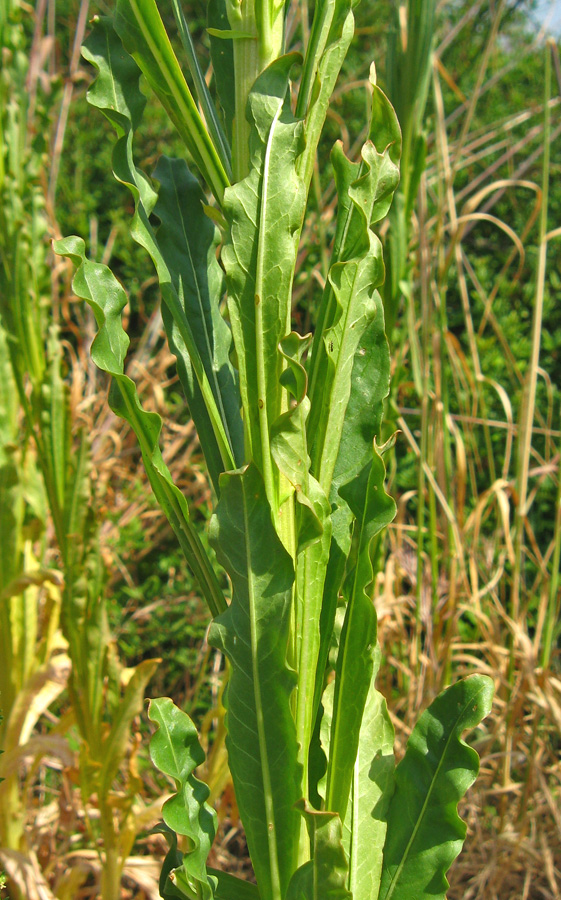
<point>251,56</point>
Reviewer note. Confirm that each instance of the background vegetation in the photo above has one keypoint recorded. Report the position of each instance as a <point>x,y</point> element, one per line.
<point>471,574</point>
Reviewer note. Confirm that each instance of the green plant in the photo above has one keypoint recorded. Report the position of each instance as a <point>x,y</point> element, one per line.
<point>53,623</point>
<point>288,425</point>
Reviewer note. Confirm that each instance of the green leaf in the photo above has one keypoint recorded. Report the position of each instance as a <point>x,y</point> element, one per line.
<point>117,94</point>
<point>222,56</point>
<point>348,305</point>
<point>313,535</point>
<point>228,887</point>
<point>229,34</point>
<point>175,750</point>
<point>324,876</point>
<point>330,36</point>
<point>253,634</point>
<point>365,826</point>
<point>351,363</point>
<point>116,744</point>
<point>188,242</point>
<point>364,194</point>
<point>264,213</point>
<point>97,285</point>
<point>373,510</point>
<point>425,833</point>
<point>203,94</point>
<point>140,27</point>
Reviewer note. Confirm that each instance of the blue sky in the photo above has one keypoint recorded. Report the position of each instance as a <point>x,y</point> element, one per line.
<point>550,9</point>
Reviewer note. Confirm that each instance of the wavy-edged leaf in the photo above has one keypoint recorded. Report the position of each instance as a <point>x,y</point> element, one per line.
<point>140,27</point>
<point>348,305</point>
<point>253,633</point>
<point>175,750</point>
<point>97,285</point>
<point>425,832</point>
<point>117,94</point>
<point>324,877</point>
<point>365,826</point>
<point>264,213</point>
<point>373,509</point>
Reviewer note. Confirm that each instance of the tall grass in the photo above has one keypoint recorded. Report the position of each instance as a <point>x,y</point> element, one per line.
<point>473,570</point>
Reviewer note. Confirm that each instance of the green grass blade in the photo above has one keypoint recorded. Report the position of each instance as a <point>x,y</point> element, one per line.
<point>140,27</point>
<point>253,633</point>
<point>209,111</point>
<point>425,833</point>
<point>222,56</point>
<point>97,285</point>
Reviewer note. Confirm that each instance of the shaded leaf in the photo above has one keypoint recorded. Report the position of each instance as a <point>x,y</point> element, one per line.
<point>325,876</point>
<point>373,509</point>
<point>117,742</point>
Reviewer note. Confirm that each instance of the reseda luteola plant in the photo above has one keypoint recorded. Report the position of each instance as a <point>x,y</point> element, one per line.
<point>288,425</point>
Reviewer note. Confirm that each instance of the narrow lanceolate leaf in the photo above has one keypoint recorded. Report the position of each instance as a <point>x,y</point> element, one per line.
<point>313,535</point>
<point>203,94</point>
<point>97,285</point>
<point>324,877</point>
<point>425,833</point>
<point>364,191</point>
<point>222,56</point>
<point>253,633</point>
<point>365,826</point>
<point>176,751</point>
<point>118,739</point>
<point>188,241</point>
<point>330,36</point>
<point>140,27</point>
<point>264,213</point>
<point>373,510</point>
<point>190,295</point>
